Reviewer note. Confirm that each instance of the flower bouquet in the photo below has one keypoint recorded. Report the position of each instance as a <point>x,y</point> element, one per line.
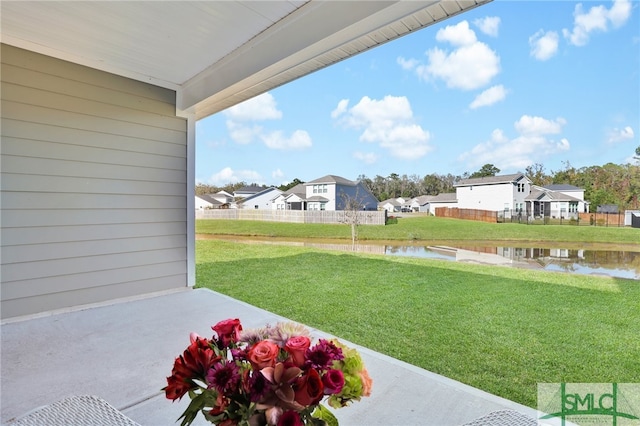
<point>267,376</point>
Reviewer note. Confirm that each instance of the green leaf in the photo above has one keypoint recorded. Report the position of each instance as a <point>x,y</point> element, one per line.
<point>325,415</point>
<point>198,402</point>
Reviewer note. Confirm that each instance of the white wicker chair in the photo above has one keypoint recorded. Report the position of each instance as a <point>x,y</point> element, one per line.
<point>503,418</point>
<point>82,410</point>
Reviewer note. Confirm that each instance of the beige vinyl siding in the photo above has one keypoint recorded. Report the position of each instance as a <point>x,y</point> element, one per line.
<point>93,180</point>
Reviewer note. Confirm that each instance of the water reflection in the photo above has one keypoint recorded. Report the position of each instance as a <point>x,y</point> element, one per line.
<point>591,261</point>
<point>621,264</point>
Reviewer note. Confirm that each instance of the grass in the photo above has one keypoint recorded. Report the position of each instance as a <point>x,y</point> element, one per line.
<point>427,228</point>
<point>499,329</point>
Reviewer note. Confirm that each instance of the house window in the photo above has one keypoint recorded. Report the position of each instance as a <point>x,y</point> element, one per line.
<point>320,189</point>
<point>323,206</point>
<point>573,207</point>
<point>521,187</point>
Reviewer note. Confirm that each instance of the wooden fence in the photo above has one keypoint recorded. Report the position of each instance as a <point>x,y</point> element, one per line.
<point>467,214</point>
<point>602,219</point>
<point>294,216</point>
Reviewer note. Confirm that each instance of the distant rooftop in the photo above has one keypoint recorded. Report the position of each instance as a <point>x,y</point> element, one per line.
<point>563,187</point>
<point>490,180</point>
<point>332,179</point>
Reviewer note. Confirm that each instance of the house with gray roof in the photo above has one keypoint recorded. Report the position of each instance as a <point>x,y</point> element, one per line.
<point>391,205</point>
<point>260,200</point>
<point>494,193</point>
<point>333,192</point>
<point>422,203</point>
<point>445,199</point>
<point>291,199</point>
<point>516,194</point>
<point>546,202</point>
<point>219,200</point>
<point>247,191</point>
<point>329,192</point>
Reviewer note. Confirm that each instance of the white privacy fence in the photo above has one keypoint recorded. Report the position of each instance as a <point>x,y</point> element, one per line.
<point>296,216</point>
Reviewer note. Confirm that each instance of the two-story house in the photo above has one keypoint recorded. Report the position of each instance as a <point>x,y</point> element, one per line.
<point>336,193</point>
<point>494,193</point>
<point>326,193</point>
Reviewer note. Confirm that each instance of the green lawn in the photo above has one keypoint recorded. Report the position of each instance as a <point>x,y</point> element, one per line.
<point>427,228</point>
<point>499,329</point>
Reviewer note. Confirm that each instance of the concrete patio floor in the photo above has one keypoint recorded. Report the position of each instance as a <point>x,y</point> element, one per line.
<point>122,352</point>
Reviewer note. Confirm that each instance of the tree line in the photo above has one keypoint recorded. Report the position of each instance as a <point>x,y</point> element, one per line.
<point>613,184</point>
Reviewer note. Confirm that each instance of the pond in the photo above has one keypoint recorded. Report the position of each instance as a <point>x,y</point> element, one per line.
<point>591,259</point>
<point>619,264</point>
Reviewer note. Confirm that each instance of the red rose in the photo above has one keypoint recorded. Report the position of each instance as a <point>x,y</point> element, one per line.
<point>296,347</point>
<point>333,381</point>
<point>308,388</point>
<point>290,418</point>
<point>228,331</point>
<point>263,354</point>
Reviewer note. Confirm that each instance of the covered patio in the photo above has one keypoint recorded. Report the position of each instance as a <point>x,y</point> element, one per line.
<point>121,352</point>
<point>99,105</point>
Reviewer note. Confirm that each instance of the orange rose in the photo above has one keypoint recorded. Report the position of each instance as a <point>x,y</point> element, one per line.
<point>263,354</point>
<point>296,347</point>
<point>367,382</point>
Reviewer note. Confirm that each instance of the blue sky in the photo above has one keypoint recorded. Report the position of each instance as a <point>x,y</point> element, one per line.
<point>511,83</point>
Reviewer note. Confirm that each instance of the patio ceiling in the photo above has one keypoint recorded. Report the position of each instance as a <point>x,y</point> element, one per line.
<point>215,54</point>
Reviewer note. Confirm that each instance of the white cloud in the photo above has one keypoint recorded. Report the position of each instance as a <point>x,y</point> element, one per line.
<point>597,18</point>
<point>529,147</point>
<point>299,139</point>
<point>470,65</point>
<point>340,109</point>
<point>529,125</point>
<point>243,131</point>
<point>619,135</point>
<point>366,157</point>
<point>467,68</point>
<point>544,45</point>
<point>262,107</point>
<point>277,174</point>
<point>488,25</point>
<point>619,12</point>
<point>407,64</point>
<point>228,175</point>
<point>458,35</point>
<point>389,122</point>
<point>489,97</point>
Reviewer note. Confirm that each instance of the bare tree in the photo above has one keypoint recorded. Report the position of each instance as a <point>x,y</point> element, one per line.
<point>353,205</point>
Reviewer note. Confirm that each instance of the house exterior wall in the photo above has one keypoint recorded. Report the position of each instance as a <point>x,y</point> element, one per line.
<point>357,192</point>
<point>433,205</point>
<point>262,201</point>
<point>93,188</point>
<point>495,197</point>
<point>324,190</point>
<point>202,204</point>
